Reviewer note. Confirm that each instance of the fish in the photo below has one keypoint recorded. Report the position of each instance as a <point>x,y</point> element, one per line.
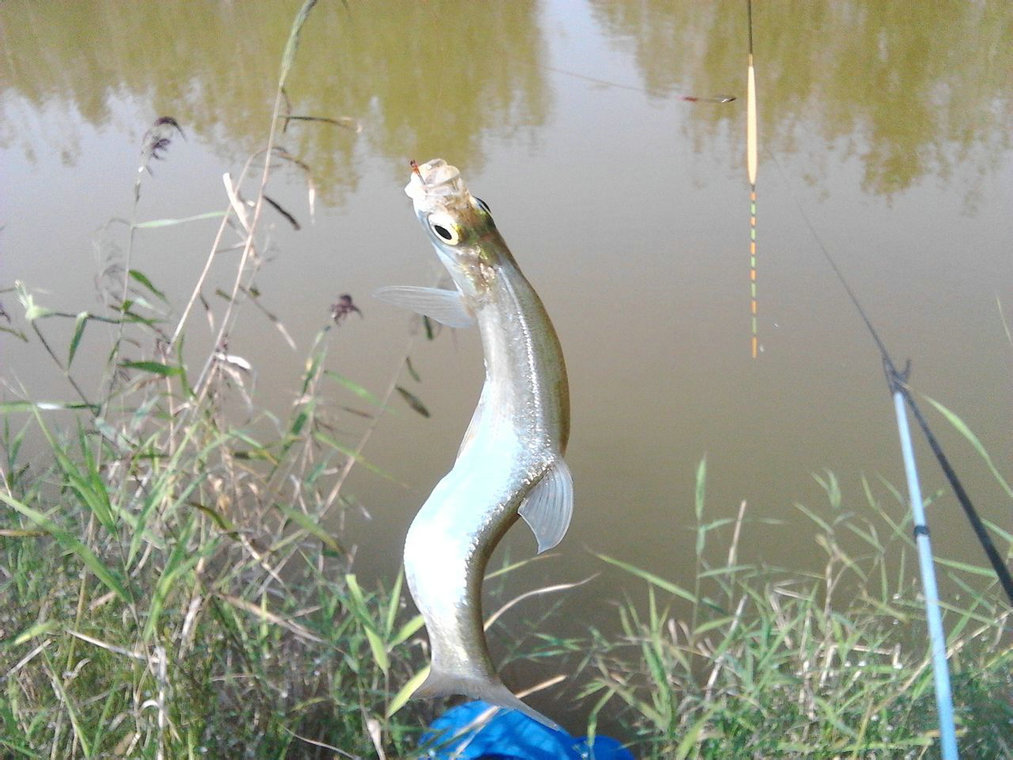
<point>510,463</point>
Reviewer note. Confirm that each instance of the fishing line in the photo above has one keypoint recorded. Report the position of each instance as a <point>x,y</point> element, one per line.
<point>635,88</point>
<point>897,382</point>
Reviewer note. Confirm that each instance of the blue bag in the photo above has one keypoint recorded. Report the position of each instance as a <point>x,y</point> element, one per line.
<point>462,734</point>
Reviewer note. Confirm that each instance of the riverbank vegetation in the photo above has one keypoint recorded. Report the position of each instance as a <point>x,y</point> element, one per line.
<point>168,587</point>
<point>772,662</point>
<point>169,591</point>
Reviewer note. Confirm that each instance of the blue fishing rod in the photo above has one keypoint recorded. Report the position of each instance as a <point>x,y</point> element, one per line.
<point>900,391</point>
<point>897,382</point>
<point>933,618</point>
<point>899,388</point>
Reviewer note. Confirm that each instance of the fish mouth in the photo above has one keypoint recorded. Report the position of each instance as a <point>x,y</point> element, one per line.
<point>434,179</point>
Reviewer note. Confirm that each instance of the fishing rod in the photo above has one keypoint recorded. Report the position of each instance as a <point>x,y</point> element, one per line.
<point>899,389</point>
<point>933,618</point>
<point>897,381</point>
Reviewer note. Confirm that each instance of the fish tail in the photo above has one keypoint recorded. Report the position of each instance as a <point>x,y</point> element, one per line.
<point>441,684</point>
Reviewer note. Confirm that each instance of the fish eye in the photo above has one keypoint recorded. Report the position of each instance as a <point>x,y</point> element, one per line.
<point>444,233</point>
<point>483,205</point>
<point>444,228</point>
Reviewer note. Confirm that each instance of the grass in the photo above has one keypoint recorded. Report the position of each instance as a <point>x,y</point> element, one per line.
<point>778,663</point>
<point>168,588</point>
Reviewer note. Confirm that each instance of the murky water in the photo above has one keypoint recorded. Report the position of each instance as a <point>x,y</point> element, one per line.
<point>886,127</point>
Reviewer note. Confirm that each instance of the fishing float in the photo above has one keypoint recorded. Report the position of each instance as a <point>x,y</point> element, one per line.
<point>751,171</point>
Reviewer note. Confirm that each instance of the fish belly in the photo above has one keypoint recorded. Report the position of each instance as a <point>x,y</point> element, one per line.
<point>445,557</point>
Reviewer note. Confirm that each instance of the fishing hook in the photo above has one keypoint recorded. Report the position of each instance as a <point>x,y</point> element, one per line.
<point>415,168</point>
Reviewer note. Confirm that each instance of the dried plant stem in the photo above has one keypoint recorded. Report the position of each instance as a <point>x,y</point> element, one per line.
<point>69,377</point>
<point>258,204</point>
<point>201,279</point>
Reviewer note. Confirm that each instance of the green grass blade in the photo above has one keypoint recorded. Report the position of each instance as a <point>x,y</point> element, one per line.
<point>179,562</point>
<point>965,431</point>
<point>354,387</point>
<point>75,341</point>
<point>44,406</point>
<point>691,737</point>
<point>156,223</point>
<point>400,699</point>
<point>292,44</point>
<point>393,604</point>
<point>361,611</point>
<point>157,368</point>
<point>359,459</point>
<point>308,524</point>
<point>406,631</point>
<point>109,577</point>
<point>699,495</point>
<point>39,629</point>
<point>143,280</point>
<point>651,578</point>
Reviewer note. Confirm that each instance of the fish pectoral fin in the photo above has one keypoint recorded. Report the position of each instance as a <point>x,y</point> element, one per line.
<point>445,306</point>
<point>548,507</point>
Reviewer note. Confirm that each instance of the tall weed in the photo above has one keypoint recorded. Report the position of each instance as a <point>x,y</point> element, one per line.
<point>169,587</point>
<point>777,663</point>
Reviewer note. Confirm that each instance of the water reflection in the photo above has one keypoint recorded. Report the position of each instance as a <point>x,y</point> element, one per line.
<point>677,43</point>
<point>925,88</point>
<point>422,76</point>
<point>913,90</point>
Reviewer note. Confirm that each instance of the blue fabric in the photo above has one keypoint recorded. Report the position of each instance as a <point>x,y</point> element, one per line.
<point>510,735</point>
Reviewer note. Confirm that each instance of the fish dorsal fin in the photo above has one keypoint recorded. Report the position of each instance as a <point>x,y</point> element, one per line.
<point>549,505</point>
<point>445,306</point>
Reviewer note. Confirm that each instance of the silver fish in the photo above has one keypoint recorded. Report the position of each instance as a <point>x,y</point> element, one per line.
<point>510,462</point>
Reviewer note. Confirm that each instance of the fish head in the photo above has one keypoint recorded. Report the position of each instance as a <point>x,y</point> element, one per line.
<point>458,224</point>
